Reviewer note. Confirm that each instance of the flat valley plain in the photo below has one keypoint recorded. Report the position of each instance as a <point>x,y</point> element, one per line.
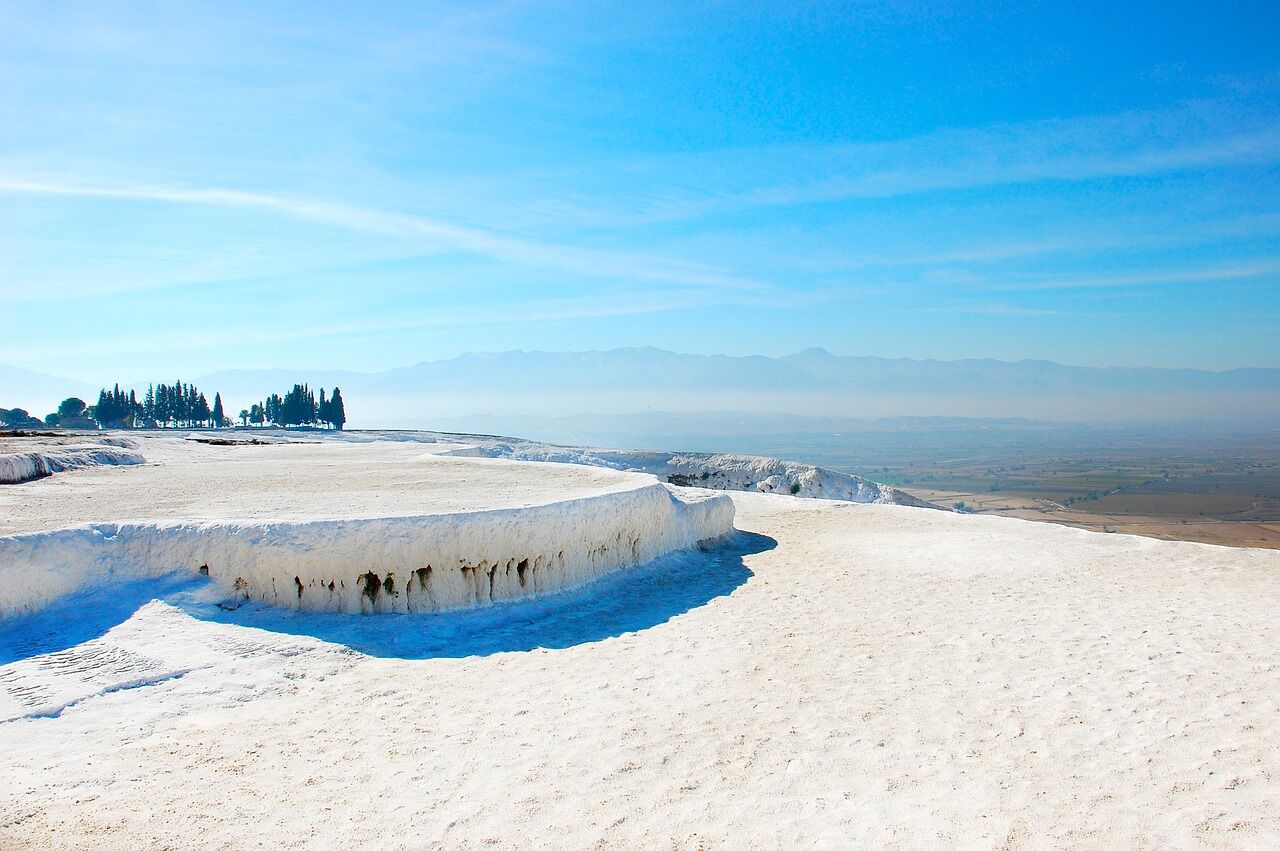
<point>1186,482</point>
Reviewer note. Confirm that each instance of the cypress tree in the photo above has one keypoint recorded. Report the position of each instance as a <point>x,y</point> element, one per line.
<point>337,413</point>
<point>200,409</point>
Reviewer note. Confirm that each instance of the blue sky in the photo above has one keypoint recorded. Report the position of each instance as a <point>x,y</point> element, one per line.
<point>186,187</point>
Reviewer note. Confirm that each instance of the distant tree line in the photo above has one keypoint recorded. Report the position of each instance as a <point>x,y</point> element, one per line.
<point>177,405</point>
<point>183,405</point>
<point>299,406</point>
<point>18,418</point>
<point>71,412</point>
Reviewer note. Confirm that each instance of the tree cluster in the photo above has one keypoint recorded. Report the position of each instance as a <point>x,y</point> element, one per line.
<point>183,405</point>
<point>70,412</point>
<point>177,405</point>
<point>299,406</point>
<point>18,418</point>
<point>116,409</point>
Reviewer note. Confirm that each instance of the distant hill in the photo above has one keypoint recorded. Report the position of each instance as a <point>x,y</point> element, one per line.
<point>812,383</point>
<point>685,393</point>
<point>38,393</point>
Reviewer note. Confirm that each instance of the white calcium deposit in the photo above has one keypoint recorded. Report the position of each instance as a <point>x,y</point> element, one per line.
<point>855,676</point>
<point>343,528</point>
<point>700,469</point>
<point>382,564</point>
<point>831,676</point>
<point>771,475</point>
<point>18,467</point>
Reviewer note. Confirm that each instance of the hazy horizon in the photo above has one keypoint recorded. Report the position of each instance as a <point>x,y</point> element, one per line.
<point>515,389</point>
<point>99,377</point>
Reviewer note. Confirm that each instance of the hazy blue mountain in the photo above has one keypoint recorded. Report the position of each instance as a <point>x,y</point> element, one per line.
<point>718,394</point>
<point>812,383</point>
<point>38,393</point>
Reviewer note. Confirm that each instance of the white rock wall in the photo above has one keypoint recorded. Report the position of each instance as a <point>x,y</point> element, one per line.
<point>395,564</point>
<point>18,467</point>
<point>771,475</point>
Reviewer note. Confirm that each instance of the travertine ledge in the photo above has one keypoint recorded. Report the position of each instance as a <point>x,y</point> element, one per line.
<point>371,528</point>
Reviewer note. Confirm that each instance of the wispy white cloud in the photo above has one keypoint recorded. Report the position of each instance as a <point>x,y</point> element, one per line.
<point>1072,236</point>
<point>578,260</point>
<point>1193,136</point>
<point>994,310</point>
<point>196,337</point>
<point>1249,268</point>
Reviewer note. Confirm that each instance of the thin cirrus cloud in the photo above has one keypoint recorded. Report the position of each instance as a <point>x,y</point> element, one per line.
<point>1250,268</point>
<point>532,311</point>
<point>532,253</point>
<point>1070,237</point>
<point>727,182</point>
<point>994,310</point>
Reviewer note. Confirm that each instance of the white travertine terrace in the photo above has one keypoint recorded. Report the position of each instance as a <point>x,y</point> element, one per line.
<point>716,471</point>
<point>16,467</point>
<point>342,527</point>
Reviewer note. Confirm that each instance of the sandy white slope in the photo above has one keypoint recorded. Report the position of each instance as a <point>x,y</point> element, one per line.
<point>341,527</point>
<point>838,676</point>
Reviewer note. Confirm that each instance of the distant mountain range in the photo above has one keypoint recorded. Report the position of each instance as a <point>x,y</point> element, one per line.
<point>512,387</point>
<point>37,393</point>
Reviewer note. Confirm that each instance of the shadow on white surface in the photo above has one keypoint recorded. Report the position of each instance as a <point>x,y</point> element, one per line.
<point>628,600</point>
